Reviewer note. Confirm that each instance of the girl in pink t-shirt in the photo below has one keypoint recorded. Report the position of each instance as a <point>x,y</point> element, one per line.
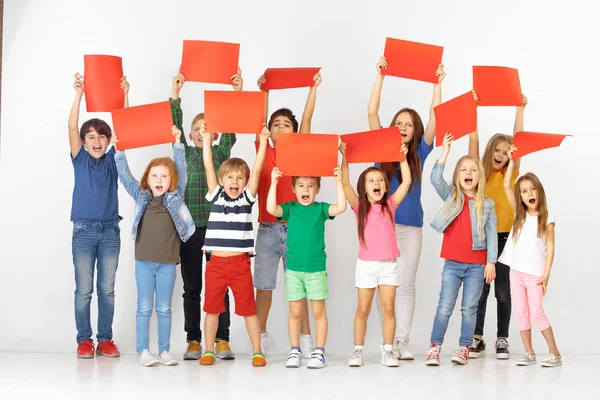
<point>376,267</point>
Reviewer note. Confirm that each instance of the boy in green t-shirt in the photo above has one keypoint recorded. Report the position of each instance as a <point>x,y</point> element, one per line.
<point>305,275</point>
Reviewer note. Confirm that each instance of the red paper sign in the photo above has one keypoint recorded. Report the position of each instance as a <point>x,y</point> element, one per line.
<point>288,78</point>
<point>379,145</point>
<point>143,126</point>
<point>300,154</point>
<point>102,83</point>
<point>234,112</point>
<point>530,142</point>
<point>457,117</point>
<point>497,86</point>
<point>412,60</point>
<point>211,62</point>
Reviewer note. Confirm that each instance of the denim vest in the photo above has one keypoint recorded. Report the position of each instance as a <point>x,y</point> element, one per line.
<point>482,240</point>
<point>174,201</point>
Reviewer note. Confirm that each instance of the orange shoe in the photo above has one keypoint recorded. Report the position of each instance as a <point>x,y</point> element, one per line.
<point>107,349</point>
<point>208,358</point>
<point>258,360</point>
<point>85,349</point>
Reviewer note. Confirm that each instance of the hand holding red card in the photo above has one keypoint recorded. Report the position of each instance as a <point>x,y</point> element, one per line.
<point>530,142</point>
<point>211,62</point>
<point>102,76</point>
<point>380,145</point>
<point>288,78</point>
<point>457,117</point>
<point>143,126</point>
<point>412,60</point>
<point>300,154</point>
<point>497,86</point>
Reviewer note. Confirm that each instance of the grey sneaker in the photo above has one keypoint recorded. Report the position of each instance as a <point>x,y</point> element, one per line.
<point>193,351</point>
<point>502,349</point>
<point>402,351</point>
<point>477,348</point>
<point>526,359</point>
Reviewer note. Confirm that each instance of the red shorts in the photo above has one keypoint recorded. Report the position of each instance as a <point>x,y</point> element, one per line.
<point>233,272</point>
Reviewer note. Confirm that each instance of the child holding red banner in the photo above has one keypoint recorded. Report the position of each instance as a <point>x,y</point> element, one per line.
<point>230,242</point>
<point>529,252</point>
<point>96,240</point>
<point>409,215</point>
<point>468,222</point>
<point>191,251</point>
<point>376,267</point>
<point>272,234</point>
<point>161,221</point>
<point>495,163</point>
<point>306,275</point>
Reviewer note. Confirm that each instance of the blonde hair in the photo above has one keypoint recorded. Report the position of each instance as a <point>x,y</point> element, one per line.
<point>457,195</point>
<point>234,164</point>
<point>197,118</point>
<point>488,154</point>
<point>160,162</point>
<point>521,211</point>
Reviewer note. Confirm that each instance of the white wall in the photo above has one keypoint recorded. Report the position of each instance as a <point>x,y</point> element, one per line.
<point>44,45</point>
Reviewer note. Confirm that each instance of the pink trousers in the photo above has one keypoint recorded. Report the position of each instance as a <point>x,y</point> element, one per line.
<point>527,300</point>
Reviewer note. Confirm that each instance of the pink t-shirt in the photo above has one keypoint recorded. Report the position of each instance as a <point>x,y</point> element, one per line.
<point>380,233</point>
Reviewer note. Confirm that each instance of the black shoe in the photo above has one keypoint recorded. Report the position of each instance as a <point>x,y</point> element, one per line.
<point>477,349</point>
<point>502,349</point>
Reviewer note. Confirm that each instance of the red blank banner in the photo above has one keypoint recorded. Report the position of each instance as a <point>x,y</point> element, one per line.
<point>234,112</point>
<point>497,86</point>
<point>380,145</point>
<point>102,83</point>
<point>457,117</point>
<point>530,142</point>
<point>301,154</point>
<point>210,62</point>
<point>143,126</point>
<point>412,60</point>
<point>288,78</point>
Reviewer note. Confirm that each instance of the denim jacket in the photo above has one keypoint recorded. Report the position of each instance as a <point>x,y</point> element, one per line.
<point>174,201</point>
<point>488,239</point>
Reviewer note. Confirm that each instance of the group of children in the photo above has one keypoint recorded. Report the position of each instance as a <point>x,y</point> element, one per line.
<point>200,203</point>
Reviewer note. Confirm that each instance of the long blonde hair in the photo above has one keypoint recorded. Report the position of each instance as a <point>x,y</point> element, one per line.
<point>457,195</point>
<point>521,211</point>
<point>488,154</point>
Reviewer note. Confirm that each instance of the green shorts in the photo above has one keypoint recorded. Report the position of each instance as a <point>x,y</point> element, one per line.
<point>302,285</point>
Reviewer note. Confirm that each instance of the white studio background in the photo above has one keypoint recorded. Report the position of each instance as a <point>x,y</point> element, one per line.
<point>44,44</point>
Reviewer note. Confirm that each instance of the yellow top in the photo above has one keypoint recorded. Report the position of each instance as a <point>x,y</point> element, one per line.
<point>494,189</point>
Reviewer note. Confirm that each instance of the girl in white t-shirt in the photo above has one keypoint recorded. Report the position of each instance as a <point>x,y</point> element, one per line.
<point>529,252</point>
<point>374,206</point>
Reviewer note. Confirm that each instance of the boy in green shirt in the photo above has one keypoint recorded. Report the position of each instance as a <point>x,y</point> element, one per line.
<point>305,275</point>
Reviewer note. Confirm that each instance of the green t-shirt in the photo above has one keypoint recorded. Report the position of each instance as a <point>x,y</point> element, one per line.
<point>306,235</point>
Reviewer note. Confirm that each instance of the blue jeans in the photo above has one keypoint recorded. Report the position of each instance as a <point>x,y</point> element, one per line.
<point>151,277</point>
<point>95,244</point>
<point>453,275</point>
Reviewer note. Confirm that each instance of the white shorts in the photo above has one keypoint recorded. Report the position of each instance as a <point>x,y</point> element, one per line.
<point>371,274</point>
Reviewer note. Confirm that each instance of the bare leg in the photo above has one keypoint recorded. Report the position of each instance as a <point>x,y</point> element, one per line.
<point>365,300</point>
<point>253,328</point>
<point>526,337</point>
<point>211,323</point>
<point>321,323</point>
<point>297,309</point>
<point>549,336</point>
<point>264,299</point>
<point>388,300</point>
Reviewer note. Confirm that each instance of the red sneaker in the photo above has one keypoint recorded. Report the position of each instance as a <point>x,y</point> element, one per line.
<point>461,356</point>
<point>107,349</point>
<point>85,349</point>
<point>433,355</point>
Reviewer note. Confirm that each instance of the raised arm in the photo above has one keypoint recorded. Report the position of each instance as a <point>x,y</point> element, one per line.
<point>549,256</point>
<point>508,189</point>
<point>340,206</point>
<point>474,136</point>
<point>435,101</point>
<point>125,88</point>
<point>373,108</point>
<point>272,207</point>
<point>175,101</point>
<point>259,162</point>
<point>437,173</point>
<point>260,81</point>
<point>74,138</point>
<point>131,185</point>
<point>309,108</point>
<point>179,159</point>
<point>211,175</point>
<point>351,195</point>
<point>402,190</point>
<point>520,125</point>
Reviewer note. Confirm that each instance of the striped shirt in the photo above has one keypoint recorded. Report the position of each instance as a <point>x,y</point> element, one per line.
<point>229,225</point>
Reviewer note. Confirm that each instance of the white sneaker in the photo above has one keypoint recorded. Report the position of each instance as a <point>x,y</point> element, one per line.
<point>147,360</point>
<point>294,359</point>
<point>388,358</point>
<point>356,358</point>
<point>166,359</point>
<point>306,345</point>
<point>402,351</point>
<point>551,361</point>
<point>265,342</point>
<point>317,360</point>
<point>526,359</point>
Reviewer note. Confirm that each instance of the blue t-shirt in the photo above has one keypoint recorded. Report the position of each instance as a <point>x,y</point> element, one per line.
<point>95,191</point>
<point>410,211</point>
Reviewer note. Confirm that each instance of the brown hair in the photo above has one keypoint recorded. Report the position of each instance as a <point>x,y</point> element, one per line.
<point>412,157</point>
<point>197,118</point>
<point>98,125</point>
<point>295,178</point>
<point>457,194</point>
<point>284,112</point>
<point>364,206</point>
<point>488,154</point>
<point>160,161</point>
<point>234,164</point>
<point>521,211</point>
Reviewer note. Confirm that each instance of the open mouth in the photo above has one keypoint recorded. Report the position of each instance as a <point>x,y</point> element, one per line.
<point>234,190</point>
<point>468,181</point>
<point>159,188</point>
<point>497,161</point>
<point>532,201</point>
<point>97,147</point>
<point>377,192</point>
<point>403,135</point>
<point>305,197</point>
